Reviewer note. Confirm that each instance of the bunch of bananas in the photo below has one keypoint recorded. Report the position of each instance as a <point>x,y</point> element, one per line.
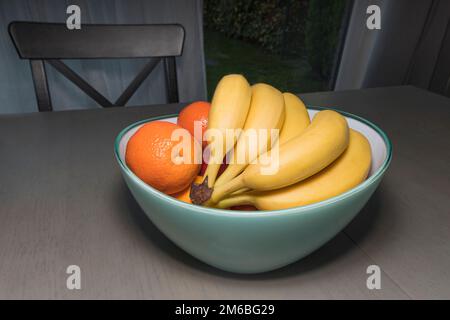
<point>313,159</point>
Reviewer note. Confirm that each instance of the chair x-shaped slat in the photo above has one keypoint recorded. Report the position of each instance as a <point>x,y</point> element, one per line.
<point>76,79</point>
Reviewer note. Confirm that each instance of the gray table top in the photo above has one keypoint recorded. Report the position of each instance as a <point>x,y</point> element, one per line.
<point>63,202</point>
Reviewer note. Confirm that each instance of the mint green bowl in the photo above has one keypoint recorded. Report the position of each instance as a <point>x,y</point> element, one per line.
<point>255,241</point>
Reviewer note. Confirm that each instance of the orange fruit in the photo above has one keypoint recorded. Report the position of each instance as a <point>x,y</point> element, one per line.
<point>149,156</point>
<point>184,195</point>
<point>196,111</point>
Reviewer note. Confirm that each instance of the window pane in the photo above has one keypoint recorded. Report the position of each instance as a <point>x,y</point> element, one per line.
<point>290,44</point>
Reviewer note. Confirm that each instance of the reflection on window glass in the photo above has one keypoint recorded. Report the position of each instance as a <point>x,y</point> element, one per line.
<point>290,44</point>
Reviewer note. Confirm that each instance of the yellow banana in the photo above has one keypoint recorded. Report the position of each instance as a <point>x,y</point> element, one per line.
<point>266,112</point>
<point>229,109</point>
<point>319,145</point>
<point>297,118</point>
<point>346,172</point>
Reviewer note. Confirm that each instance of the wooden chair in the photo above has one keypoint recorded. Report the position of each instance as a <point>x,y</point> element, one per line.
<point>51,42</point>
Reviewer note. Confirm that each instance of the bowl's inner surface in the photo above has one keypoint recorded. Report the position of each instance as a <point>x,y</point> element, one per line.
<point>377,144</point>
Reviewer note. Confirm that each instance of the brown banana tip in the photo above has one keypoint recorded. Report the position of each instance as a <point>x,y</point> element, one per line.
<point>200,193</point>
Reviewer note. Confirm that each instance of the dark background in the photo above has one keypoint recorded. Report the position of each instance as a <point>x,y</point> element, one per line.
<point>295,45</point>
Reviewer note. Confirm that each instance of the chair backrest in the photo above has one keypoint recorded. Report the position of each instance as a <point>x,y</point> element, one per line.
<point>51,42</point>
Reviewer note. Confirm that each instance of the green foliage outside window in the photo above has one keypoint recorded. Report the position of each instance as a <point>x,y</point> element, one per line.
<point>322,34</point>
<point>308,28</point>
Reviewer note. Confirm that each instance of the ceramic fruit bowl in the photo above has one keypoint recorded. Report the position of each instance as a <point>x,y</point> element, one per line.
<point>256,241</point>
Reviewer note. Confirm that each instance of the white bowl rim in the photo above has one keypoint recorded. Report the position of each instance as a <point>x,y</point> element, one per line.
<point>238,213</point>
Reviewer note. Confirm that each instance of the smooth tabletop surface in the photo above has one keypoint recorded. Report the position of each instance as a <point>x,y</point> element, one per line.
<point>63,202</point>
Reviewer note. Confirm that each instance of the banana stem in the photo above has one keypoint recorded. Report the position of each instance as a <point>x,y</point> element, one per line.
<point>234,201</point>
<point>223,190</point>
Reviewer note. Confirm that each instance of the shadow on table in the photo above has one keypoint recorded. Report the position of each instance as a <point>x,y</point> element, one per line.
<point>335,249</point>
<point>363,224</point>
